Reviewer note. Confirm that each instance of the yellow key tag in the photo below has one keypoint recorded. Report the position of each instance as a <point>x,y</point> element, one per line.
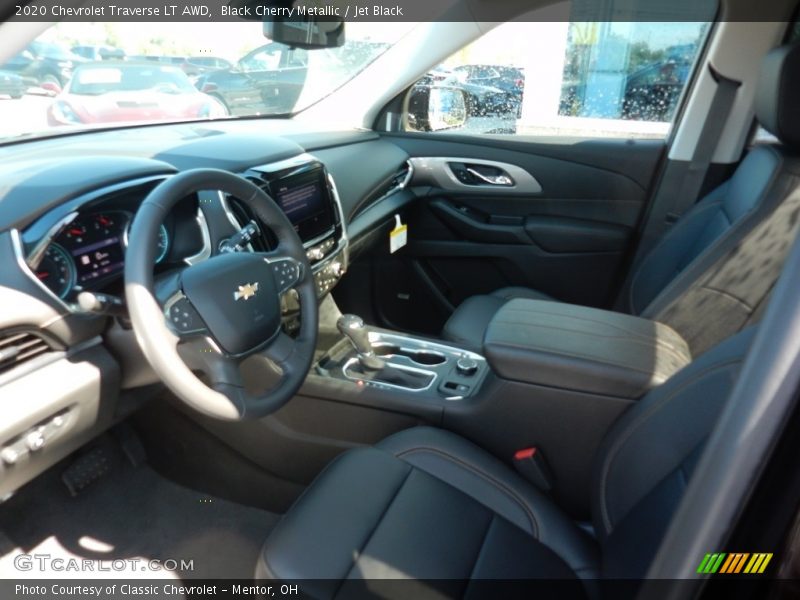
<point>399,235</point>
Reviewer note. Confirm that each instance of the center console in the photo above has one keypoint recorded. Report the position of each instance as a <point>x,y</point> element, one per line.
<point>307,193</point>
<point>383,360</point>
<point>551,376</point>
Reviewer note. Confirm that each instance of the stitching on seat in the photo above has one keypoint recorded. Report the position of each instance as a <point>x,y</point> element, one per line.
<point>582,318</point>
<point>631,429</point>
<point>483,475</point>
<point>374,529</point>
<point>728,295</point>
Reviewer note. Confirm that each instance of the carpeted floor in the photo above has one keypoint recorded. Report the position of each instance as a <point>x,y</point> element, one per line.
<point>132,512</point>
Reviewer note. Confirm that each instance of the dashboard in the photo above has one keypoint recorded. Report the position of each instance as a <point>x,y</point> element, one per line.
<point>67,203</point>
<point>84,249</point>
<point>66,207</point>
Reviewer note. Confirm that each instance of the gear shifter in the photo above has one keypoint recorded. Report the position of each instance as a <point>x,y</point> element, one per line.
<point>352,327</point>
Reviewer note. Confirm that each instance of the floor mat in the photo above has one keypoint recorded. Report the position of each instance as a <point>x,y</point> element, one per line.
<point>131,513</point>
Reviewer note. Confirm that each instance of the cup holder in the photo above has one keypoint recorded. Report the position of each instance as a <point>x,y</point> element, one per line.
<point>426,358</point>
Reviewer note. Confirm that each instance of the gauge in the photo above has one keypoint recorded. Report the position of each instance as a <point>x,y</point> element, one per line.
<point>75,231</point>
<point>105,223</point>
<point>57,271</point>
<point>163,244</point>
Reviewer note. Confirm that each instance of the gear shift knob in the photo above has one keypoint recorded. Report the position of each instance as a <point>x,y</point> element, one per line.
<point>353,328</point>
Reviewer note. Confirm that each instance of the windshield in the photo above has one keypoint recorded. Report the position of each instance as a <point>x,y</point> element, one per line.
<point>96,78</point>
<point>82,75</point>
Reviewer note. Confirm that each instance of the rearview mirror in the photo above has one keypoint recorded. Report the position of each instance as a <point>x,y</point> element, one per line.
<point>308,33</point>
<point>301,26</point>
<point>434,108</point>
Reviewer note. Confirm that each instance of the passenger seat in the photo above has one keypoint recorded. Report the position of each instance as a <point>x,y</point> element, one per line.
<point>710,274</point>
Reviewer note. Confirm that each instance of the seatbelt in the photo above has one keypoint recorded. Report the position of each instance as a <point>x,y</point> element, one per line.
<point>710,135</point>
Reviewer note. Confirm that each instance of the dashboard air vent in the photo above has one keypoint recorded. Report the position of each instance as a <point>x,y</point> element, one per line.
<point>19,347</point>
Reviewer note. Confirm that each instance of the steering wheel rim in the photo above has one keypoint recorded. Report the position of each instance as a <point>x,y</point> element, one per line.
<point>204,321</point>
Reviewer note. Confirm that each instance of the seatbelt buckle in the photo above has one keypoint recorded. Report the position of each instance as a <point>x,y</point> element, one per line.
<point>530,463</point>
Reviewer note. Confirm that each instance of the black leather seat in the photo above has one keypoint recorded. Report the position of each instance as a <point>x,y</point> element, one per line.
<point>704,261</point>
<point>428,504</point>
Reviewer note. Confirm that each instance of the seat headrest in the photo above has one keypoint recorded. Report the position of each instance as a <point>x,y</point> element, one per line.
<point>778,95</point>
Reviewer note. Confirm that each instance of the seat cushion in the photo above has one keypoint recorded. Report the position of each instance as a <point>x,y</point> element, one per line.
<point>469,322</point>
<point>423,504</point>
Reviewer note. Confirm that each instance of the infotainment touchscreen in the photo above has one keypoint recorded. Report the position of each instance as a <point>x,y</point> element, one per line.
<point>305,199</point>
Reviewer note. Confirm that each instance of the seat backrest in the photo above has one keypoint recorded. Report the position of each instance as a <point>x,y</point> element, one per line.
<point>646,460</point>
<point>757,203</point>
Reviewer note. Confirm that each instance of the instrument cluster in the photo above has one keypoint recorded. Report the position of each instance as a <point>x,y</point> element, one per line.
<point>89,251</point>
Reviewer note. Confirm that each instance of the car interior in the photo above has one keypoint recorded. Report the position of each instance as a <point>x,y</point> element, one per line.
<point>350,351</point>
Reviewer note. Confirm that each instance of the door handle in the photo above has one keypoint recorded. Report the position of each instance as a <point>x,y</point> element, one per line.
<point>474,176</point>
<point>500,179</point>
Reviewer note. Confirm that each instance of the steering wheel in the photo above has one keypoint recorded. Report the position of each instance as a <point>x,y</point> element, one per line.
<point>213,315</point>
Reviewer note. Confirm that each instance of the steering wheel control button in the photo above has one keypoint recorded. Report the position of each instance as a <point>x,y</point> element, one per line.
<point>287,273</point>
<point>184,318</point>
<point>236,297</point>
<point>466,366</point>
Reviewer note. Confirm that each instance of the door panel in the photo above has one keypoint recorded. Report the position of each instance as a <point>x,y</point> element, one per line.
<point>569,240</point>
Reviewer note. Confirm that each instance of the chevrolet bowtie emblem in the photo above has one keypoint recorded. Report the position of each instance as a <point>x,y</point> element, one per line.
<point>246,291</point>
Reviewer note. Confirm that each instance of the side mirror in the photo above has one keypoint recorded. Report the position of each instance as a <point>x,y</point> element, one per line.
<point>434,108</point>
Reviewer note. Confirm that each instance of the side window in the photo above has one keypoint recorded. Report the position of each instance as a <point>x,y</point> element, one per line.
<point>612,79</point>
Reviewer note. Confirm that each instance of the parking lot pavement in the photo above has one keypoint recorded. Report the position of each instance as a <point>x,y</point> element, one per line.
<point>23,115</point>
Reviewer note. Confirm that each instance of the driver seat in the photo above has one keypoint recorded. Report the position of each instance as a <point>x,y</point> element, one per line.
<point>427,504</point>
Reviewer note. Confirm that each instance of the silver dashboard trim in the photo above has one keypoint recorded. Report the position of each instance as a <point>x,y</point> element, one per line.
<point>419,344</point>
<point>16,244</point>
<point>288,163</point>
<point>392,191</point>
<point>205,251</point>
<point>353,361</point>
<point>37,254</point>
<point>343,243</point>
